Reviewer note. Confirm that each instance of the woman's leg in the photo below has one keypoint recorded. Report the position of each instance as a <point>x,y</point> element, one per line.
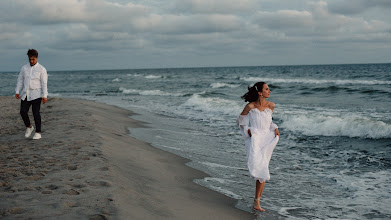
<point>258,193</point>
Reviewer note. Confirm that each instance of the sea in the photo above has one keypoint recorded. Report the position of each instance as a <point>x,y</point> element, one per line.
<point>333,160</point>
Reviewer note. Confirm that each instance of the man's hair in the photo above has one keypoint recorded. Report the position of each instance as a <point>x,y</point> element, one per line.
<point>32,53</point>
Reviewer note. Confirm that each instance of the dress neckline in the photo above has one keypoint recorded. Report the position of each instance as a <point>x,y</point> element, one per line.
<point>260,110</point>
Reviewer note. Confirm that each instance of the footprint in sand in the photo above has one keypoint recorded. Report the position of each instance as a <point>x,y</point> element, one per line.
<point>98,183</point>
<point>28,188</point>
<point>79,177</point>
<point>98,217</point>
<point>72,167</point>
<point>70,204</point>
<point>104,169</point>
<point>14,211</point>
<point>72,192</point>
<point>79,185</point>
<point>52,187</point>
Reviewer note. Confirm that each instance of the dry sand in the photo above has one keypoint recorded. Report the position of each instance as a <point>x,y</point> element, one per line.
<point>86,166</point>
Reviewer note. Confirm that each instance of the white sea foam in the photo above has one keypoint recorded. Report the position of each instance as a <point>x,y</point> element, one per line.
<point>219,180</point>
<point>367,186</point>
<point>284,211</point>
<point>148,92</point>
<point>116,80</point>
<point>153,77</point>
<point>221,85</point>
<point>216,165</point>
<point>212,105</point>
<point>334,123</point>
<point>316,81</point>
<point>54,94</point>
<point>221,190</point>
<point>134,75</point>
<point>173,148</point>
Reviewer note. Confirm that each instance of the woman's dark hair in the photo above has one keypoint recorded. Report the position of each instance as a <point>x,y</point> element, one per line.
<point>32,53</point>
<point>252,94</point>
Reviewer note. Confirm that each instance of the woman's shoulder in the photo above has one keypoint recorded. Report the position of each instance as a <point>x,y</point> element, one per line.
<point>251,105</point>
<point>271,105</point>
<point>248,108</point>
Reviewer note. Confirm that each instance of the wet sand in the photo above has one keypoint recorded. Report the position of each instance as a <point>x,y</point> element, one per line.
<point>86,166</point>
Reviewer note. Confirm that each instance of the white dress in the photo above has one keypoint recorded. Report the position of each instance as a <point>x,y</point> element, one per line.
<point>260,145</point>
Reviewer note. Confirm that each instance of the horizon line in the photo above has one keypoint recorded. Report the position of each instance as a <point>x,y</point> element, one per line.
<point>193,67</point>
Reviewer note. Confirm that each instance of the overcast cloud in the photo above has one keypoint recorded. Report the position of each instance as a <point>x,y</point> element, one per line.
<point>119,34</point>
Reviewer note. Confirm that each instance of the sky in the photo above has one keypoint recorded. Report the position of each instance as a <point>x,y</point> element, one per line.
<point>131,34</point>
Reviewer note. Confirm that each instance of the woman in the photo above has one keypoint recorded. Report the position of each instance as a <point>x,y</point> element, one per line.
<point>260,134</point>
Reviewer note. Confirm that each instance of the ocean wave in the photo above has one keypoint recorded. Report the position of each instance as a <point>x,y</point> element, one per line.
<point>219,180</point>
<point>212,105</point>
<point>365,186</point>
<point>284,211</point>
<point>54,94</point>
<point>326,89</point>
<point>134,75</point>
<point>207,183</point>
<point>153,77</point>
<point>335,88</point>
<point>216,165</point>
<point>149,92</point>
<point>317,81</point>
<point>221,85</point>
<point>116,80</point>
<point>318,124</point>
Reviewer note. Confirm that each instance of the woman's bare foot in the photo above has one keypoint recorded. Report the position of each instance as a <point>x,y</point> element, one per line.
<point>257,206</point>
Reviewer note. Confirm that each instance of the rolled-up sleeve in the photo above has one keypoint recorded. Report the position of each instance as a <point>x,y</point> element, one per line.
<point>44,83</point>
<point>273,126</point>
<point>243,122</point>
<point>19,83</point>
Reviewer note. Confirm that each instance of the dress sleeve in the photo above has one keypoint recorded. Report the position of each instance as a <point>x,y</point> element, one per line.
<point>243,122</point>
<point>273,126</point>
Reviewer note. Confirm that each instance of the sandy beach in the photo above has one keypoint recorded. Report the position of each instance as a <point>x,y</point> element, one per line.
<point>86,166</point>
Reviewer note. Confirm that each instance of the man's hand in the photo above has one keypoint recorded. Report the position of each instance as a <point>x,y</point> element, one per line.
<point>17,96</point>
<point>44,100</point>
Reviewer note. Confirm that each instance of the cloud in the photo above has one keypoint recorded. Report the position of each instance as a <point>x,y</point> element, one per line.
<point>214,6</point>
<point>351,7</point>
<point>284,19</point>
<point>13,37</point>
<point>317,25</point>
<point>189,28</point>
<point>191,24</point>
<point>50,12</point>
<point>43,12</point>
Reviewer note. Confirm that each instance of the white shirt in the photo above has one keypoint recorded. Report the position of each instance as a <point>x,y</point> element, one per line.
<point>33,80</point>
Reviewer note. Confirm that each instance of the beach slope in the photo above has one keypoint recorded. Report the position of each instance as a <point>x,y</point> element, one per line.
<point>86,166</point>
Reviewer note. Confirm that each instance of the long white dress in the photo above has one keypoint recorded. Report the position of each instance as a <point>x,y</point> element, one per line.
<point>260,145</point>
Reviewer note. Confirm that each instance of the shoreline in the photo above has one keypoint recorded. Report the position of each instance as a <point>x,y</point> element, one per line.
<point>88,166</point>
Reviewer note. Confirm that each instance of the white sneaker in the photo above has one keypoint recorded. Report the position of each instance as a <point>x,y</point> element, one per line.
<point>29,131</point>
<point>37,136</point>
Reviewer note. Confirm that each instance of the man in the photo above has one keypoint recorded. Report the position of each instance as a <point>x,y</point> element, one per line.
<point>32,82</point>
